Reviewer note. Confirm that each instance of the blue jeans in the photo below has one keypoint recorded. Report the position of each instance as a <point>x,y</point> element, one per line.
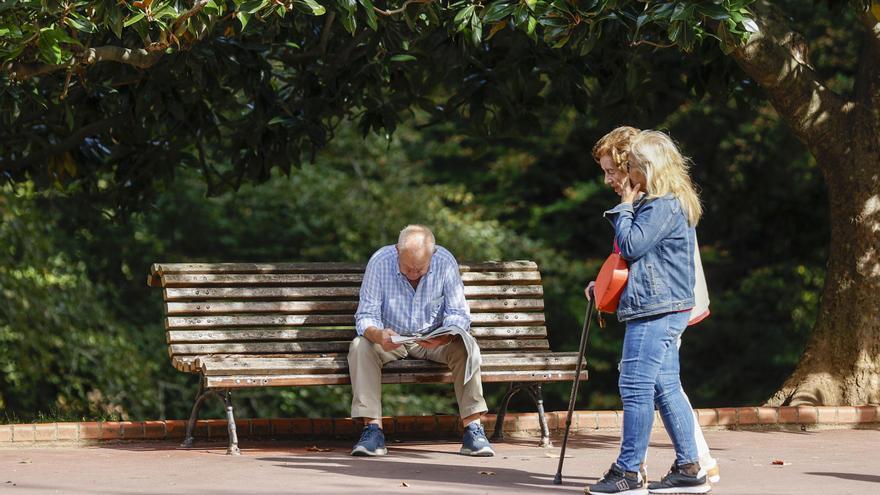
<point>649,375</point>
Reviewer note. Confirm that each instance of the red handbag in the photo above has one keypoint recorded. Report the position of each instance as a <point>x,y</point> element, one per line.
<point>610,282</point>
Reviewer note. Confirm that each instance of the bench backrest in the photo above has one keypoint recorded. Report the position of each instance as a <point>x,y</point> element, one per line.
<point>307,309</point>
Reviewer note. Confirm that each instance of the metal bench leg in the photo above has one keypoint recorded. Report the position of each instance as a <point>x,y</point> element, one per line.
<point>498,435</point>
<point>535,392</point>
<point>230,424</point>
<point>194,415</point>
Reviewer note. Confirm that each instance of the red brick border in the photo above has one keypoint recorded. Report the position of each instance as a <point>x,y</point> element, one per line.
<point>516,424</point>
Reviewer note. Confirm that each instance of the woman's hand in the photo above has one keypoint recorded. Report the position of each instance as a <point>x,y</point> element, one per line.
<point>588,290</point>
<point>630,192</point>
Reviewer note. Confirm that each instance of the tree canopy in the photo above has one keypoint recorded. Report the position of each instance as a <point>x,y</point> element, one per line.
<point>115,96</point>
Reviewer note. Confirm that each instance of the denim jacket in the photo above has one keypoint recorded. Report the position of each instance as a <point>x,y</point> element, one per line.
<point>656,240</point>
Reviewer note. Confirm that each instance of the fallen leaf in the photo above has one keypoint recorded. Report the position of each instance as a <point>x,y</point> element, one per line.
<point>778,462</point>
<point>487,473</point>
<point>315,448</point>
<point>404,483</point>
<point>26,461</point>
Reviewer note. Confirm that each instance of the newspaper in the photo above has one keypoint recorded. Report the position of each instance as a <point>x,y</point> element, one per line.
<point>470,344</point>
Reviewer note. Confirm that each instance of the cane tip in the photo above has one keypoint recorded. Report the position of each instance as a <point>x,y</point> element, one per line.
<point>557,480</point>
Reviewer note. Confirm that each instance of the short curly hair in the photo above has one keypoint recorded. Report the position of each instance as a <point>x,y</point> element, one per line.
<point>616,145</point>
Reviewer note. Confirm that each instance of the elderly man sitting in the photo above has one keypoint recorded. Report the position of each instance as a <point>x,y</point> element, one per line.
<point>410,288</point>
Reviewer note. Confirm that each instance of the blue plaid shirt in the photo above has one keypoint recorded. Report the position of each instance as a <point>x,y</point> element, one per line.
<point>388,300</point>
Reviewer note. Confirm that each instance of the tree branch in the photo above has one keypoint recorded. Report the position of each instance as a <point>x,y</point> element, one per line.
<point>67,144</point>
<point>775,59</point>
<point>401,9</point>
<point>139,58</point>
<point>319,50</point>
<point>866,17</point>
<point>197,7</point>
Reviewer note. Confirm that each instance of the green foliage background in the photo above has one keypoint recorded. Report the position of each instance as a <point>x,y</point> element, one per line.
<point>81,334</point>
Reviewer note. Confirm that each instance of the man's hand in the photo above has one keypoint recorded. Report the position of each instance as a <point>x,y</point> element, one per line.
<point>435,342</point>
<point>382,337</point>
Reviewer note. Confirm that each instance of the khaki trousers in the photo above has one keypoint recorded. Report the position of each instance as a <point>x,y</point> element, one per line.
<point>365,361</point>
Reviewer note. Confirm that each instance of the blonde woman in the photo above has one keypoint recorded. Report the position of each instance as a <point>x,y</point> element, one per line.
<point>654,228</point>
<point>610,154</point>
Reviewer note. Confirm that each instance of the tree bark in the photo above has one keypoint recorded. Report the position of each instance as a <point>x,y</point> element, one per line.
<point>841,362</point>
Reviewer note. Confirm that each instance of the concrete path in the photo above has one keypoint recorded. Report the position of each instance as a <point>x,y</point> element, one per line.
<point>816,462</point>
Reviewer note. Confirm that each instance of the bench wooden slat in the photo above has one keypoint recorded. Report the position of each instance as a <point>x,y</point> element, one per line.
<point>299,307</point>
<point>306,279</point>
<point>388,378</point>
<point>195,322</point>
<point>284,307</point>
<point>307,334</point>
<point>213,366</point>
<point>201,322</point>
<point>292,293</point>
<point>160,269</point>
<point>328,346</point>
<point>209,279</point>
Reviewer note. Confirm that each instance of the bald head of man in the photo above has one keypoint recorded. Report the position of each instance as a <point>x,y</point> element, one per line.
<point>415,247</point>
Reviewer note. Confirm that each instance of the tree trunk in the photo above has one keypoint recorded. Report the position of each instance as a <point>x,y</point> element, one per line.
<point>841,363</point>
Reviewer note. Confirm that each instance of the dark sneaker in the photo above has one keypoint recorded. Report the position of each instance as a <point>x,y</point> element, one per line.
<point>475,442</point>
<point>620,482</point>
<point>372,442</point>
<point>686,478</point>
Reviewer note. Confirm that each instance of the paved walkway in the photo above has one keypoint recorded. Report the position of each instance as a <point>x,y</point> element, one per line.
<point>816,462</point>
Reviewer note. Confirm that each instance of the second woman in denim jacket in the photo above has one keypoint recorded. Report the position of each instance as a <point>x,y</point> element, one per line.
<point>654,230</point>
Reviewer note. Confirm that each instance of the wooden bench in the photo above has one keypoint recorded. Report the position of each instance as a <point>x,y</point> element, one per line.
<point>245,325</point>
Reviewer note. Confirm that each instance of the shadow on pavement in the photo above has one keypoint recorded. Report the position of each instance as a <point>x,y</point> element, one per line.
<point>870,478</point>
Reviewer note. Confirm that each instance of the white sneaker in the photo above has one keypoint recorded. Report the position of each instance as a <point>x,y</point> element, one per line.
<point>709,467</point>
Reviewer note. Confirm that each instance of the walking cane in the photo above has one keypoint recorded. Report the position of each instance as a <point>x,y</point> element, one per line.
<point>557,480</point>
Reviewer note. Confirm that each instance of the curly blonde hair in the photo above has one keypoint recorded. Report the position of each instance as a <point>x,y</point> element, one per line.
<point>616,145</point>
<point>666,171</point>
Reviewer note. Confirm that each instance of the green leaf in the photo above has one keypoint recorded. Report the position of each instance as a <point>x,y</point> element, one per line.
<point>50,48</point>
<point>83,24</point>
<point>728,43</point>
<point>116,22</point>
<point>211,8</point>
<point>133,20</point>
<point>243,18</point>
<point>476,29</point>
<point>310,7</point>
<point>497,11</point>
<point>530,30</point>
<point>61,36</point>
<point>713,11</point>
<point>750,25</point>
<point>166,11</point>
<point>674,31</point>
<point>252,6</point>
<point>521,16</point>
<point>462,16</point>
<point>349,22</point>
<point>371,14</point>
<point>531,4</point>
<point>403,58</point>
